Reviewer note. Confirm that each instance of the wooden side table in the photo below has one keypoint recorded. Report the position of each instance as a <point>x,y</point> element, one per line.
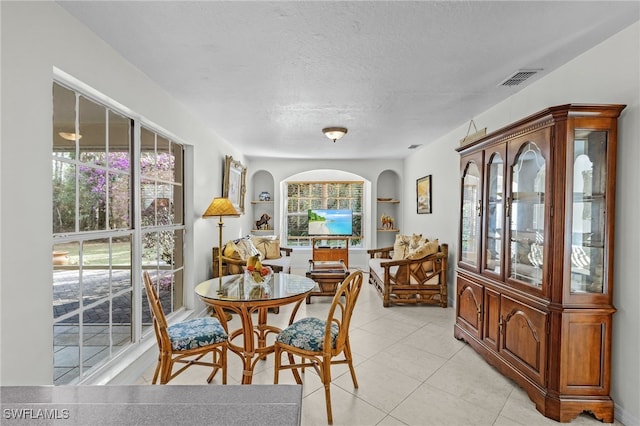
<point>328,275</point>
<point>330,249</point>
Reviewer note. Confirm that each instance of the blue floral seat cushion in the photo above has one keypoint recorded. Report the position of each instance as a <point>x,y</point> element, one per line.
<point>196,333</point>
<point>307,334</point>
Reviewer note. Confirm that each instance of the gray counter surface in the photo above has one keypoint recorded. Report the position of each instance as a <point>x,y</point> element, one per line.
<point>151,405</point>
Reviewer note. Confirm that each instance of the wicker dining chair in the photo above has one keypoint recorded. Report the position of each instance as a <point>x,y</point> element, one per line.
<point>318,341</point>
<point>186,342</point>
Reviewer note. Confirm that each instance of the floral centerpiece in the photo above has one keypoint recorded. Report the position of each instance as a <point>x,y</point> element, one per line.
<point>256,278</point>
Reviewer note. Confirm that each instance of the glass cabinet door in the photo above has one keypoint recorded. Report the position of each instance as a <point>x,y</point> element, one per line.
<point>589,213</point>
<point>471,211</point>
<point>493,234</point>
<point>526,211</point>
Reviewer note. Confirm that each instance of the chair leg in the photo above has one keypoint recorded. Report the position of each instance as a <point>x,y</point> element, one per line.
<point>166,369</point>
<point>349,358</point>
<point>214,356</point>
<point>224,366</point>
<point>326,381</point>
<point>296,375</point>
<point>276,367</point>
<point>219,358</point>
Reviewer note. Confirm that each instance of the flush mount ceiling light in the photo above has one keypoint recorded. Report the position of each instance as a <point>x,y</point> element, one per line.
<point>334,133</point>
<point>69,136</point>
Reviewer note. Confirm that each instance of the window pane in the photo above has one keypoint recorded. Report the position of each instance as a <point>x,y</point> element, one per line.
<point>92,196</point>
<point>93,132</point>
<point>119,134</point>
<point>66,278</point>
<point>64,121</point>
<point>119,201</point>
<point>178,288</point>
<point>64,197</point>
<point>150,248</point>
<point>147,152</point>
<point>95,335</point>
<point>121,329</point>
<point>66,351</point>
<point>164,158</point>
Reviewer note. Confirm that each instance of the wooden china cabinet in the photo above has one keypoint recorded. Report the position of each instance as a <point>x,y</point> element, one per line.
<point>535,263</point>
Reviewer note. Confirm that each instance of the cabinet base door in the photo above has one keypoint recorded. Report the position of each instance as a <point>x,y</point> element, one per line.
<point>469,306</point>
<point>523,331</point>
<point>586,353</point>
<point>491,318</point>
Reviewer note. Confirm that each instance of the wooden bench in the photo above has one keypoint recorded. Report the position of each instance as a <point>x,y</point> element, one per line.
<point>409,281</point>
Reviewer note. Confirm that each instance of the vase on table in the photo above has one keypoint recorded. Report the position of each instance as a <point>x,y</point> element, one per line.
<point>257,283</point>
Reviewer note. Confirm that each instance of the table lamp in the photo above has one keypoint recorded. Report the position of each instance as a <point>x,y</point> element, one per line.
<point>220,207</point>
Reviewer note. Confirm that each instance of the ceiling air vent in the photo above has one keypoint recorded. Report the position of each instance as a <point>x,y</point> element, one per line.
<point>518,77</point>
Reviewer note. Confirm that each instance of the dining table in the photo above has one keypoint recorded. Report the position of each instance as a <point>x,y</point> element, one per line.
<point>241,295</point>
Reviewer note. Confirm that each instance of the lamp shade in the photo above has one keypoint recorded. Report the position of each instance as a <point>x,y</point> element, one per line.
<point>221,207</point>
<point>334,133</point>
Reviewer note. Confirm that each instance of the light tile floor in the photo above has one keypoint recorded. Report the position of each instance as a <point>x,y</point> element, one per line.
<point>410,369</point>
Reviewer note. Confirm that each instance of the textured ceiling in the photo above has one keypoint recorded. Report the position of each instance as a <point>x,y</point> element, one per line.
<point>268,76</point>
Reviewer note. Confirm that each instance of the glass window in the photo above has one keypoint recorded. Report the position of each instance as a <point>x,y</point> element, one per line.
<point>93,230</point>
<point>304,196</point>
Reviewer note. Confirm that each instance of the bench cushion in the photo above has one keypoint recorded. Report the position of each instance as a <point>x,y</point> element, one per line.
<point>375,265</point>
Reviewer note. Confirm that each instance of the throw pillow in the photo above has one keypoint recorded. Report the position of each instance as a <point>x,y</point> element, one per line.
<point>232,251</point>
<point>404,244</point>
<point>423,250</point>
<point>401,247</point>
<point>268,245</point>
<point>247,249</point>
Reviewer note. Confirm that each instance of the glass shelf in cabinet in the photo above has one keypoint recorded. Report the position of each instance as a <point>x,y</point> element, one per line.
<point>527,196</point>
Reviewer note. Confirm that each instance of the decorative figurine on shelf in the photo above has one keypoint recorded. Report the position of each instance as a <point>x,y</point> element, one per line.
<point>264,196</point>
<point>263,222</point>
<point>387,222</point>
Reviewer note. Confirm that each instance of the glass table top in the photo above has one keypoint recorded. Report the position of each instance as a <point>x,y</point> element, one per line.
<point>238,287</point>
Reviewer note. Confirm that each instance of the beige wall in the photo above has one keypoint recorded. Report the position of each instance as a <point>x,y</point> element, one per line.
<point>608,73</point>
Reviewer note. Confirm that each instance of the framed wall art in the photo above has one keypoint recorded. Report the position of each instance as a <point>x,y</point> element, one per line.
<point>233,184</point>
<point>423,194</point>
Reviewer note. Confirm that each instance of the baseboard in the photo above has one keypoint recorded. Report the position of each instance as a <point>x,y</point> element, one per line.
<point>623,416</point>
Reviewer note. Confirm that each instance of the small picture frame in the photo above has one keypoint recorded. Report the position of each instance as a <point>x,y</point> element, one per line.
<point>233,184</point>
<point>423,194</point>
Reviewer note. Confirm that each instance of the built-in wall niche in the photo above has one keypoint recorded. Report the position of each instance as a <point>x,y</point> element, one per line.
<point>262,203</point>
<point>387,208</point>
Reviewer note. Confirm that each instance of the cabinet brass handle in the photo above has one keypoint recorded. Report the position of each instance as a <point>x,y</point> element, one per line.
<point>508,207</point>
<point>479,208</point>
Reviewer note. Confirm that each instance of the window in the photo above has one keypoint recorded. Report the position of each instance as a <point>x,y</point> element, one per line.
<point>302,196</point>
<point>94,230</point>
